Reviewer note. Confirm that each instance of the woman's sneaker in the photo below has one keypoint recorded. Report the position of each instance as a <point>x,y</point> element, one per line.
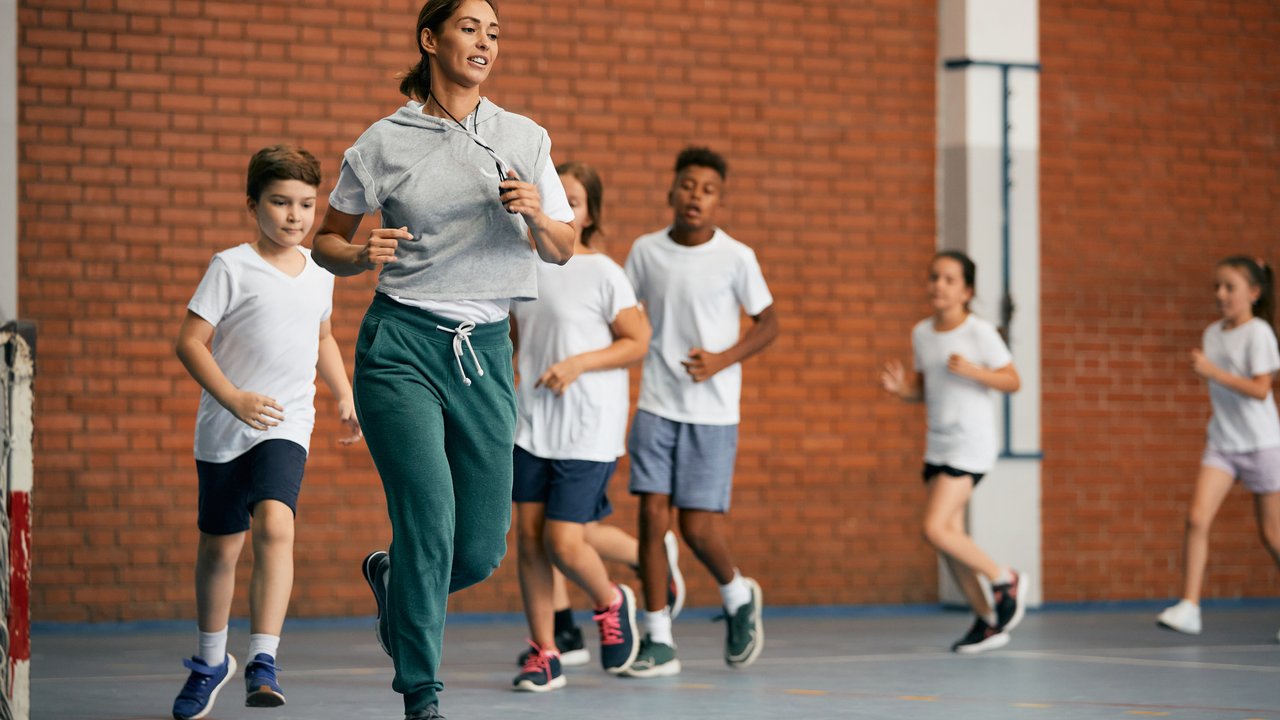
<point>261,684</point>
<point>569,643</point>
<point>619,641</point>
<point>980,638</point>
<point>1010,601</point>
<point>654,659</point>
<point>541,672</point>
<point>675,580</point>
<point>376,569</point>
<point>195,700</point>
<point>1183,617</point>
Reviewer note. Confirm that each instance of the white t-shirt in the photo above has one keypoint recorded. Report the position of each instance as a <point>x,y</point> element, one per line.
<point>962,415</point>
<point>576,304</point>
<point>694,297</point>
<point>1239,423</point>
<point>348,196</point>
<point>266,340</point>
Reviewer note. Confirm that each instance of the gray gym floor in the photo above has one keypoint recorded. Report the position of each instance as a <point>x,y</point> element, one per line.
<point>819,664</point>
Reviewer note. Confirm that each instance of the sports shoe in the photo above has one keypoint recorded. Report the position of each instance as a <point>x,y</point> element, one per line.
<point>675,580</point>
<point>260,683</point>
<point>619,635</point>
<point>541,672</point>
<point>980,638</point>
<point>1010,601</point>
<point>377,571</point>
<point>1183,617</point>
<point>654,659</point>
<point>195,700</point>
<point>744,631</point>
<point>432,712</point>
<point>573,651</point>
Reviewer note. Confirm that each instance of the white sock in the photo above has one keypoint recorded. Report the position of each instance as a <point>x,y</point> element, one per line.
<point>657,623</point>
<point>263,643</point>
<point>212,647</point>
<point>735,593</point>
<point>1004,578</point>
<point>990,618</point>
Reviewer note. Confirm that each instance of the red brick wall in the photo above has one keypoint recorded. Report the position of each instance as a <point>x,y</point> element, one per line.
<point>137,119</point>
<point>1160,155</point>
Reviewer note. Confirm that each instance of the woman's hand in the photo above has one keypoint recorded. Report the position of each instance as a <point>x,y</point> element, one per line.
<point>381,248</point>
<point>520,197</point>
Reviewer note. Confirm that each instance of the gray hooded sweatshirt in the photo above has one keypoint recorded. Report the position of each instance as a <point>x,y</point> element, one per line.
<point>429,175</point>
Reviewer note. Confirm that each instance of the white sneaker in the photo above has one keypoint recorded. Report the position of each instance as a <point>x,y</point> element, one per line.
<point>1183,617</point>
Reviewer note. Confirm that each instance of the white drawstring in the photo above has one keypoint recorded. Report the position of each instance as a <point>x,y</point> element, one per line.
<point>462,334</point>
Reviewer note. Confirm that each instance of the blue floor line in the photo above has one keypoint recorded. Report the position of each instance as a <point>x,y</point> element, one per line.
<point>703,614</point>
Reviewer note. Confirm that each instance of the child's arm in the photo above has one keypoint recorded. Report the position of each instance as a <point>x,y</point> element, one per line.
<point>896,381</point>
<point>1003,379</point>
<point>1256,387</point>
<point>330,368</point>
<point>333,251</point>
<point>257,411</point>
<point>702,364</point>
<point>631,333</point>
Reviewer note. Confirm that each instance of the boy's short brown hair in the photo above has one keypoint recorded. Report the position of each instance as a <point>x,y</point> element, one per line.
<point>280,162</point>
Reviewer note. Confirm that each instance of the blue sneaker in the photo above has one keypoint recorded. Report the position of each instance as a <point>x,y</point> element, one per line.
<point>619,636</point>
<point>260,682</point>
<point>376,568</point>
<point>197,696</point>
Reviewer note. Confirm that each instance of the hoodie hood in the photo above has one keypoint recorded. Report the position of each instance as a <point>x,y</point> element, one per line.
<point>410,114</point>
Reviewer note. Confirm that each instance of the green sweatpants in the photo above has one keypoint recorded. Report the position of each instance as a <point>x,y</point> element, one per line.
<point>443,449</point>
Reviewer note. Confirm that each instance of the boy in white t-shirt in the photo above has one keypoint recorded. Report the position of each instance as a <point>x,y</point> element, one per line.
<point>265,309</point>
<point>694,281</point>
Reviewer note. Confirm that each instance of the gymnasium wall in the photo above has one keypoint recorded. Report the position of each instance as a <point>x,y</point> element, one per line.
<point>137,118</point>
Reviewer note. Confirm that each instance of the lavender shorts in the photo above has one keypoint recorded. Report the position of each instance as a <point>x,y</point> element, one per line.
<point>1258,470</point>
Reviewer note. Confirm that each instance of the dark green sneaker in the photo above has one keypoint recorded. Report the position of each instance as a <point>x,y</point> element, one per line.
<point>744,631</point>
<point>654,659</point>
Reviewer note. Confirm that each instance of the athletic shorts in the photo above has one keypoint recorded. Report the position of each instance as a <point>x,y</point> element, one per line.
<point>573,490</point>
<point>691,463</point>
<point>932,471</point>
<point>270,470</point>
<point>1259,471</point>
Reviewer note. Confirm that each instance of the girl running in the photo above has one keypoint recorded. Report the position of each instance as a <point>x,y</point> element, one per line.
<point>959,360</point>
<point>1238,356</point>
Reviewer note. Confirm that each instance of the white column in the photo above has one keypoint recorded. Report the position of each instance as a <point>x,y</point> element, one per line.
<point>993,48</point>
<point>8,160</point>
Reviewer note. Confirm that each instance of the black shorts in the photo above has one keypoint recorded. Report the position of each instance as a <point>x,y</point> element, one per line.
<point>270,470</point>
<point>572,490</point>
<point>932,471</point>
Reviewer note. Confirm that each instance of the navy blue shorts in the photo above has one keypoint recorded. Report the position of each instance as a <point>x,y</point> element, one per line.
<point>572,490</point>
<point>270,470</point>
<point>932,471</point>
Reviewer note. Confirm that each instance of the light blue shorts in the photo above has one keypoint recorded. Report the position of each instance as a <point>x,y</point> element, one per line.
<point>691,463</point>
<point>1259,471</point>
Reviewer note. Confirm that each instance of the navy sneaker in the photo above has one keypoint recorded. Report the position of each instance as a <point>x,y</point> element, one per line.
<point>541,672</point>
<point>1010,602</point>
<point>619,636</point>
<point>980,638</point>
<point>197,695</point>
<point>376,569</point>
<point>675,580</point>
<point>573,651</point>
<point>655,659</point>
<point>261,684</point>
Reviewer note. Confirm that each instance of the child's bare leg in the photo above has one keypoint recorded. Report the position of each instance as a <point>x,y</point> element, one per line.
<point>655,520</point>
<point>703,533</point>
<point>216,579</point>
<point>1212,486</point>
<point>613,544</point>
<point>272,580</point>
<point>1267,508</point>
<point>965,578</point>
<point>578,561</point>
<point>559,591</point>
<point>948,497</point>
<point>535,571</point>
